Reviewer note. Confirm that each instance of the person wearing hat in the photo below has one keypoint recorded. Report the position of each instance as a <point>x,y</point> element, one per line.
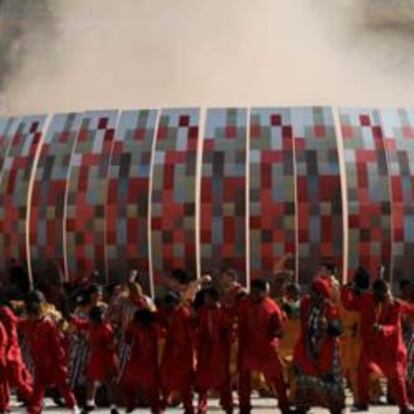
<point>316,360</point>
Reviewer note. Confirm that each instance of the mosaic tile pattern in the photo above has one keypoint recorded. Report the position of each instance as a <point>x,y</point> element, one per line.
<point>15,186</point>
<point>294,191</point>
<point>7,128</point>
<point>127,201</point>
<point>173,233</point>
<point>398,130</point>
<point>87,197</point>
<point>223,191</point>
<point>369,208</point>
<point>319,196</point>
<point>272,189</point>
<point>48,201</point>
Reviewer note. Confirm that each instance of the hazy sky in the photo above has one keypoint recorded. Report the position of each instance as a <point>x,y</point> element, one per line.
<point>158,53</point>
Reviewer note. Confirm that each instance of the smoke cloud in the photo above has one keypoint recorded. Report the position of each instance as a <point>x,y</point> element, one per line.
<point>60,55</point>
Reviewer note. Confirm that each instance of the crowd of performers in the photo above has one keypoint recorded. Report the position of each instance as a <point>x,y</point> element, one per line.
<point>85,344</point>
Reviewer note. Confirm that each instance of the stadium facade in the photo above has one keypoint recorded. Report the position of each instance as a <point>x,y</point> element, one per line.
<point>205,189</point>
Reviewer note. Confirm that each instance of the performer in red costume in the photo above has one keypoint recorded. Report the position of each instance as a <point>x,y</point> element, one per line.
<point>214,330</point>
<point>382,343</point>
<point>260,327</point>
<point>407,300</point>
<point>141,371</point>
<point>231,291</point>
<point>177,363</point>
<point>48,358</point>
<point>17,374</point>
<point>4,385</point>
<point>316,359</point>
<point>103,363</point>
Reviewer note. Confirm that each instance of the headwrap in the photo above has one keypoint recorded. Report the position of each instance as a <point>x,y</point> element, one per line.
<point>323,287</point>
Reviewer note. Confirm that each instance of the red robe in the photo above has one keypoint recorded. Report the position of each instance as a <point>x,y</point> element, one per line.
<point>46,350</point>
<point>4,386</point>
<point>49,361</point>
<point>177,363</point>
<point>259,325</point>
<point>214,330</point>
<point>141,370</point>
<point>142,365</point>
<point>386,347</point>
<point>17,373</point>
<point>301,357</point>
<point>10,321</point>
<point>103,360</point>
<point>381,351</point>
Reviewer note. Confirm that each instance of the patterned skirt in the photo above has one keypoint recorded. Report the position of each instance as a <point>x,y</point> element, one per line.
<point>326,391</point>
<point>124,351</point>
<point>78,360</point>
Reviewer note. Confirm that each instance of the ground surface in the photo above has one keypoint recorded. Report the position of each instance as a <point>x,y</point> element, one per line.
<point>261,406</point>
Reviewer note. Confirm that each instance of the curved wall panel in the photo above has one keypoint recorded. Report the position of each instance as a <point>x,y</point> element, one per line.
<point>127,200</point>
<point>146,189</point>
<point>272,214</point>
<point>223,191</point>
<point>15,188</point>
<point>398,129</point>
<point>47,211</point>
<point>319,196</point>
<point>369,207</point>
<point>7,128</point>
<point>87,196</point>
<point>173,231</point>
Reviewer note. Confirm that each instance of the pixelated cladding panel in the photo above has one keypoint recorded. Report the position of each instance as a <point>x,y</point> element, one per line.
<point>368,190</point>
<point>24,137</point>
<point>272,189</point>
<point>114,191</point>
<point>173,192</point>
<point>398,133</point>
<point>223,191</point>
<point>48,201</point>
<point>87,196</point>
<point>128,196</point>
<point>319,196</point>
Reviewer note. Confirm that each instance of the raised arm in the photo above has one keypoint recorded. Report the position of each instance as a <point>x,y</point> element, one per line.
<point>79,323</point>
<point>407,308</point>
